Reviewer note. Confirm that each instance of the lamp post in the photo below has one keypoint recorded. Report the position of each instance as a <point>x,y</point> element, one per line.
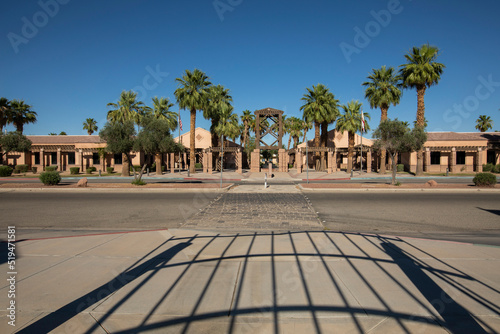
<point>307,163</point>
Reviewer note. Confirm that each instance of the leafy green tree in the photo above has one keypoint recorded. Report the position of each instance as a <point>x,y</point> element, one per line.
<point>21,114</point>
<point>381,91</point>
<point>484,123</point>
<point>191,94</point>
<point>63,133</point>
<point>52,134</point>
<point>5,112</point>
<point>350,121</point>
<point>155,139</point>
<point>161,110</point>
<point>421,71</point>
<point>320,107</point>
<point>119,137</point>
<point>127,109</point>
<point>396,137</point>
<point>14,141</point>
<point>90,125</point>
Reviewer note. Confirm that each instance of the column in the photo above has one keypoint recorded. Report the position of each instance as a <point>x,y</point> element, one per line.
<point>184,161</point>
<point>210,162</point>
<point>298,161</point>
<point>255,163</point>
<point>283,163</point>
<point>240,162</point>
<point>59,165</point>
<point>330,162</point>
<point>369,161</point>
<point>479,164</point>
<point>172,159</point>
<point>453,160</point>
<point>334,159</point>
<point>42,159</point>
<point>427,160</point>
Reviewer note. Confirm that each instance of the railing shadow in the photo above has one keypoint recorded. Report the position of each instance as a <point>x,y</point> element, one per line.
<point>311,254</point>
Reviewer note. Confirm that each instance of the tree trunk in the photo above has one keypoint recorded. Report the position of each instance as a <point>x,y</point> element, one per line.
<point>420,122</point>
<point>289,141</point>
<point>350,151</point>
<point>245,135</point>
<point>125,165</point>
<point>158,163</point>
<point>394,168</point>
<point>383,110</point>
<point>192,143</point>
<point>324,140</point>
<point>317,143</point>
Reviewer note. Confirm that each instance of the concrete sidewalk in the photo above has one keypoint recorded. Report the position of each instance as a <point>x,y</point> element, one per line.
<point>185,281</point>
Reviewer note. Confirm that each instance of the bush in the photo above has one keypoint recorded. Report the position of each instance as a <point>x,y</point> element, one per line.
<point>22,168</point>
<point>110,170</point>
<point>488,167</point>
<point>50,168</point>
<point>50,178</point>
<point>34,169</point>
<point>136,167</point>
<point>401,168</point>
<point>5,171</point>
<point>139,183</point>
<point>74,170</point>
<point>197,165</point>
<point>16,171</point>
<point>485,180</point>
<point>496,169</point>
<point>89,170</point>
<point>93,168</point>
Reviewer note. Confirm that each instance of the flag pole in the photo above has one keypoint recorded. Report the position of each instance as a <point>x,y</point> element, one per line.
<point>180,140</point>
<point>362,130</point>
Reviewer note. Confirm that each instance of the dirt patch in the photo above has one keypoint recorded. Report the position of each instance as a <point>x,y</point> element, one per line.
<point>117,185</point>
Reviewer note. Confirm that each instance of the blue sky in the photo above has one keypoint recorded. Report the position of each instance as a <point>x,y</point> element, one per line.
<point>69,58</point>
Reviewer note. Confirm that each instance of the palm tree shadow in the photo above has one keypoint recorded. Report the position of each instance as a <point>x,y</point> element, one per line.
<point>455,317</point>
<point>495,212</point>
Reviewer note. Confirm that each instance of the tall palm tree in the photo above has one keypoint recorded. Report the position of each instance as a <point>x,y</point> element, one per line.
<point>246,118</point>
<point>90,125</point>
<point>484,123</point>
<point>161,110</point>
<point>381,91</point>
<point>320,106</point>
<point>5,111</point>
<point>127,109</point>
<point>191,95</point>
<point>420,72</point>
<point>350,121</point>
<point>216,98</point>
<point>295,131</point>
<point>21,114</point>
<point>306,126</point>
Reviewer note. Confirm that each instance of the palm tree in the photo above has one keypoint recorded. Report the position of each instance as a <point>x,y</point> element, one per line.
<point>320,107</point>
<point>161,110</point>
<point>306,126</point>
<point>227,125</point>
<point>420,72</point>
<point>216,98</point>
<point>246,118</point>
<point>127,109</point>
<point>484,123</point>
<point>90,125</point>
<point>350,121</point>
<point>191,95</point>
<point>21,114</point>
<point>295,131</point>
<point>5,111</point>
<point>381,91</point>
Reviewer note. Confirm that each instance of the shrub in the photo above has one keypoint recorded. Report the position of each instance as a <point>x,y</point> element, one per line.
<point>94,169</point>
<point>485,180</point>
<point>50,168</point>
<point>50,178</point>
<point>488,167</point>
<point>89,170</point>
<point>34,169</point>
<point>16,171</point>
<point>401,168</point>
<point>74,170</point>
<point>5,171</point>
<point>197,165</point>
<point>496,169</point>
<point>110,170</point>
<point>139,183</point>
<point>22,168</point>
<point>136,167</point>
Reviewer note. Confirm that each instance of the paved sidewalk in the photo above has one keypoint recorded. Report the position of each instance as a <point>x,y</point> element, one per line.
<point>186,281</point>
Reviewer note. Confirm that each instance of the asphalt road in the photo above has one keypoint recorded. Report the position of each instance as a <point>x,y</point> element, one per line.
<point>458,216</point>
<point>468,217</point>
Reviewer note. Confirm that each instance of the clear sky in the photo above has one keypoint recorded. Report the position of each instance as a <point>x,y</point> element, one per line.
<point>69,58</point>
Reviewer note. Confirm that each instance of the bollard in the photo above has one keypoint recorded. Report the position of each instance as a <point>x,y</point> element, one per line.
<point>352,170</point>
<point>265,180</point>
<point>147,170</point>
<point>447,171</point>
<point>188,172</point>
<point>99,173</point>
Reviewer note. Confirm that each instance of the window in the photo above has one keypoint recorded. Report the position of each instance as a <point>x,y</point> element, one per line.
<point>491,157</point>
<point>460,158</point>
<point>71,158</point>
<point>435,158</point>
<point>118,159</point>
<point>53,158</point>
<point>37,157</point>
<point>96,159</point>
